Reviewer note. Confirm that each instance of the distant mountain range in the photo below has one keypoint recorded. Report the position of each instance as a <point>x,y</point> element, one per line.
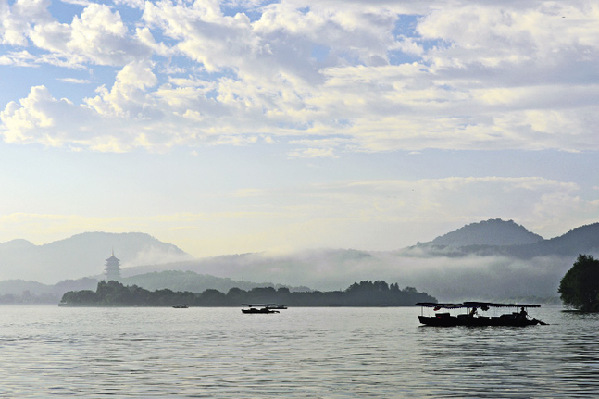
<point>492,259</point>
<point>81,255</point>
<point>489,232</point>
<point>496,237</point>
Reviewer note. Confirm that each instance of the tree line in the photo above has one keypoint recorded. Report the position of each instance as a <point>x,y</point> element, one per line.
<point>364,293</point>
<point>579,288</point>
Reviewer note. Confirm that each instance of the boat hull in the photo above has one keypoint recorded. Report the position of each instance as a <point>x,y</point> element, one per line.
<point>502,321</point>
<point>259,311</point>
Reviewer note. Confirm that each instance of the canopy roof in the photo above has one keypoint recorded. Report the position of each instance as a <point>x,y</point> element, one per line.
<point>268,305</point>
<point>475,304</point>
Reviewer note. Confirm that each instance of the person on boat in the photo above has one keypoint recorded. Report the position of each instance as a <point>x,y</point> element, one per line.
<point>523,313</point>
<point>473,311</point>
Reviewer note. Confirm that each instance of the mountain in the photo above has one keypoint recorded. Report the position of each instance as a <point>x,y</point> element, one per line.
<point>496,237</point>
<point>489,232</point>
<point>582,240</point>
<point>81,255</point>
<point>32,292</point>
<point>324,269</point>
<point>488,260</point>
<point>182,281</point>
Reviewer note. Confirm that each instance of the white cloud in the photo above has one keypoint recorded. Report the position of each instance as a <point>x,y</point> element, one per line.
<point>41,118</point>
<point>313,153</point>
<point>98,36</point>
<point>16,19</point>
<point>490,76</point>
<point>33,115</point>
<point>76,81</point>
<point>127,97</point>
<point>492,34</point>
<point>18,59</point>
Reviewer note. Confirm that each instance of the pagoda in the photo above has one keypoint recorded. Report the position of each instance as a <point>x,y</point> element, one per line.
<point>113,272</point>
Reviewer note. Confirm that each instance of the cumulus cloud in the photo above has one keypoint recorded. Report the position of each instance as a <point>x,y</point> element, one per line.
<point>16,19</point>
<point>462,76</point>
<point>33,115</point>
<point>128,92</point>
<point>42,118</point>
<point>98,36</point>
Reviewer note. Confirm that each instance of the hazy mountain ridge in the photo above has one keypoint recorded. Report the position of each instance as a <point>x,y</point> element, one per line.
<point>31,292</point>
<point>463,242</point>
<point>488,232</point>
<point>182,281</point>
<point>461,270</point>
<point>529,269</point>
<point>81,255</point>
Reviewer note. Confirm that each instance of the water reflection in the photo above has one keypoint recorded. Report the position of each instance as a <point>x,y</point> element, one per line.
<point>559,360</point>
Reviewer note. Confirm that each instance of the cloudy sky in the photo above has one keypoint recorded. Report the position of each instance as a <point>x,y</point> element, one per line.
<point>249,126</point>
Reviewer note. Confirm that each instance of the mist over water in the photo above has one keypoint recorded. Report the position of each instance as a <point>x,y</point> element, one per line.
<point>491,278</point>
<point>300,353</point>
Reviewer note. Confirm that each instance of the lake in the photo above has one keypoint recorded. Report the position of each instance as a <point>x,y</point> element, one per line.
<point>51,351</point>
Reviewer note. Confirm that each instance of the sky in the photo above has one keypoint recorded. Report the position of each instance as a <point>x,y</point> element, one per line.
<point>243,126</point>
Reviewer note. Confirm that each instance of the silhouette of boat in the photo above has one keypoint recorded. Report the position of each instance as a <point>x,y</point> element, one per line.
<point>472,319</point>
<point>261,309</point>
<point>182,306</point>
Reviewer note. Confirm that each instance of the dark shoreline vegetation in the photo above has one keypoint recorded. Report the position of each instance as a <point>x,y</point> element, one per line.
<point>579,288</point>
<point>364,293</point>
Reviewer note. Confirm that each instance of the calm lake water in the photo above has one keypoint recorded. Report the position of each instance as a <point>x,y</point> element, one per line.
<point>51,351</point>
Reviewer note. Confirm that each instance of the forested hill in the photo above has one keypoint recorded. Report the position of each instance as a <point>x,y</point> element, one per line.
<point>365,293</point>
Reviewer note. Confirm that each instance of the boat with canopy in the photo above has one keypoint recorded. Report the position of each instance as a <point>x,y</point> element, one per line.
<point>443,317</point>
<point>261,309</point>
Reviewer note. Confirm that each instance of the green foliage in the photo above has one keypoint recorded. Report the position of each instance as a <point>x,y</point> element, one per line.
<point>579,288</point>
<point>365,293</point>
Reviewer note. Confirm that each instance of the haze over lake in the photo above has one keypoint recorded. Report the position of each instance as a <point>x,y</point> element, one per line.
<point>307,143</point>
<point>52,351</point>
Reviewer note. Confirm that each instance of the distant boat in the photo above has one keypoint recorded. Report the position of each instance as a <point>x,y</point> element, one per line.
<point>182,306</point>
<point>261,309</point>
<point>471,317</point>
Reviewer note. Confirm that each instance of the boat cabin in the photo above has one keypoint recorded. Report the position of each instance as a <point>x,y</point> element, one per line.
<point>261,308</point>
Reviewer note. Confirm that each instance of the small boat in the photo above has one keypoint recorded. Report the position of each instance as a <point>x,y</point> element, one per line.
<point>444,318</point>
<point>181,306</point>
<point>259,309</point>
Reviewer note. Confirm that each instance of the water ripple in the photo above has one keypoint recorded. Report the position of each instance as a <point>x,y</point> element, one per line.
<point>300,353</point>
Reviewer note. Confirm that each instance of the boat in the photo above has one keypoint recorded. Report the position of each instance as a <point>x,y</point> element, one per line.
<point>181,306</point>
<point>260,309</point>
<point>444,318</point>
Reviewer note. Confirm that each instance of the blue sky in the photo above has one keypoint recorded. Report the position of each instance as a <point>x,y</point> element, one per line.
<point>260,126</point>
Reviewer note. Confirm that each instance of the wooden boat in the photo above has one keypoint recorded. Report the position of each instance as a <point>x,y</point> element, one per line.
<point>472,319</point>
<point>259,309</point>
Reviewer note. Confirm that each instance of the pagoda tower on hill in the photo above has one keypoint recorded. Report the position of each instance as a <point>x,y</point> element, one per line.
<point>113,272</point>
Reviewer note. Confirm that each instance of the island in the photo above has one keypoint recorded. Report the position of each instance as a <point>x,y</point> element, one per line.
<point>364,293</point>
